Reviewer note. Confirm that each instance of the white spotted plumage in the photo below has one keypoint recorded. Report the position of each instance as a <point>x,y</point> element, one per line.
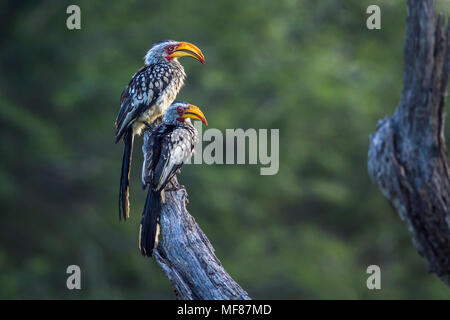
<point>149,93</point>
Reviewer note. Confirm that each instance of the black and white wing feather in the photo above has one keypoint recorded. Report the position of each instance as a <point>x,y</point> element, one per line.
<point>176,146</point>
<point>151,149</point>
<point>143,91</point>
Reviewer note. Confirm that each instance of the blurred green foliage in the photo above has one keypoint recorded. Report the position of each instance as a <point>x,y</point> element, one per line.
<point>310,68</point>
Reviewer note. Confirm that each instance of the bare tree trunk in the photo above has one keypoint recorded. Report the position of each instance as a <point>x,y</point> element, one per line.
<point>407,155</point>
<point>186,255</point>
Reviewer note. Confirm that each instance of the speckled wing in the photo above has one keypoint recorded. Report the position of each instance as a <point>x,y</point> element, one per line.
<point>176,147</point>
<point>151,149</point>
<point>143,91</point>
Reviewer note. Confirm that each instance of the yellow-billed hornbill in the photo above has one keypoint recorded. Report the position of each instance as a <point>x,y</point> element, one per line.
<point>166,147</point>
<point>150,92</point>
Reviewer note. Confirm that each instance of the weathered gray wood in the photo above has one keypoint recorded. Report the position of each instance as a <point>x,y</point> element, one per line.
<point>186,255</point>
<point>407,155</point>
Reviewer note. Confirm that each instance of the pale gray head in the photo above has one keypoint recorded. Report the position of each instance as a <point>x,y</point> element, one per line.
<point>170,50</point>
<point>181,111</point>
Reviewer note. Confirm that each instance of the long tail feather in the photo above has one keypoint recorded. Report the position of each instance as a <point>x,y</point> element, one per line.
<point>149,224</point>
<point>124,187</point>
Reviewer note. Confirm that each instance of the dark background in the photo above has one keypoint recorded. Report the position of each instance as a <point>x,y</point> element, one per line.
<point>310,68</point>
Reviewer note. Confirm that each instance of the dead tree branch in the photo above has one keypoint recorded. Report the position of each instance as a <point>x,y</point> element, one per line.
<point>407,155</point>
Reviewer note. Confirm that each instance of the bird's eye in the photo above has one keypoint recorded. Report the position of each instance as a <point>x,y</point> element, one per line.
<point>180,110</point>
<point>170,48</point>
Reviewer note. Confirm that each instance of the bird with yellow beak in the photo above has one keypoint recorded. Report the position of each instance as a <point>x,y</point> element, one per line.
<point>150,92</point>
<point>166,147</point>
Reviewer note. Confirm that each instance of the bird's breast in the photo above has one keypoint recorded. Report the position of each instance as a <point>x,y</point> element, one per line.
<point>165,99</point>
<point>159,88</point>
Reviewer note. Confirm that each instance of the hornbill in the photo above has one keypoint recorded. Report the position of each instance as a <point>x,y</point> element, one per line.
<point>166,147</point>
<point>150,92</point>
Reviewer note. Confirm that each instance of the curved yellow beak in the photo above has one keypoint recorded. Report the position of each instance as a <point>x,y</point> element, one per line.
<point>186,49</point>
<point>194,112</point>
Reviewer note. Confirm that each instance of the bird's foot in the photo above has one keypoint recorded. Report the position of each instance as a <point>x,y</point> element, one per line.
<point>148,125</point>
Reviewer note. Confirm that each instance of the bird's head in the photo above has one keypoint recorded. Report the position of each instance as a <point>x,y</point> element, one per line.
<point>181,111</point>
<point>169,50</point>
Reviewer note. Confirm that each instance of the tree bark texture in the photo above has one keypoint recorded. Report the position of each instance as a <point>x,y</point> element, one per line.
<point>407,156</point>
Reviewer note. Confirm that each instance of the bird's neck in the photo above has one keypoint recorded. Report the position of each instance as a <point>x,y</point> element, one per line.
<point>174,63</point>
<point>186,123</point>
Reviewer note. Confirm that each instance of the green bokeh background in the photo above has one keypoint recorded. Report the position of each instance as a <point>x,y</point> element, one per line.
<point>310,68</point>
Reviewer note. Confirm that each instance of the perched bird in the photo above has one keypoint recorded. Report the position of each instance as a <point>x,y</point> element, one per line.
<point>150,92</point>
<point>166,147</point>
